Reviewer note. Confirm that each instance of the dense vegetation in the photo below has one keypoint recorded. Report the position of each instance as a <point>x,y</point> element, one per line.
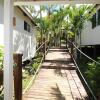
<point>91,72</point>
<point>70,18</point>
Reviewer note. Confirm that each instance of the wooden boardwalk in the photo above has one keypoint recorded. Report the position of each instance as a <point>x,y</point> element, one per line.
<point>57,79</point>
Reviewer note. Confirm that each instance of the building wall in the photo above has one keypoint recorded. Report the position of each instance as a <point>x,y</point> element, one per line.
<point>23,41</point>
<point>90,36</point>
<point>1,23</point>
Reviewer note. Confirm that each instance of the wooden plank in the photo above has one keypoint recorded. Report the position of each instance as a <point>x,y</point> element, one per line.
<point>76,94</point>
<point>50,88</point>
<point>79,85</point>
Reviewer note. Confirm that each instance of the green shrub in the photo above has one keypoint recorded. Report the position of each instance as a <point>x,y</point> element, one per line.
<point>1,56</point>
<point>91,72</point>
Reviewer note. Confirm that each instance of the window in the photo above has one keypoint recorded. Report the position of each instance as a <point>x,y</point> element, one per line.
<point>94,21</point>
<point>99,17</point>
<point>27,26</point>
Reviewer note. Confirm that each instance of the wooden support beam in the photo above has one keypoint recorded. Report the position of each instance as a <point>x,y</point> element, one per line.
<point>42,2</point>
<point>18,76</point>
<point>44,40</point>
<point>8,50</point>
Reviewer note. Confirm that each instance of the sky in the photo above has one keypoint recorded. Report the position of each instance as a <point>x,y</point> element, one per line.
<point>37,7</point>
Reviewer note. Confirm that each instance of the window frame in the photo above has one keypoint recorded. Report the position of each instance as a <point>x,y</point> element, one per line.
<point>27,27</point>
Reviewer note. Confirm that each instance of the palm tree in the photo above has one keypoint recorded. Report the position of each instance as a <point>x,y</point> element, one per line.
<point>57,20</point>
<point>77,17</point>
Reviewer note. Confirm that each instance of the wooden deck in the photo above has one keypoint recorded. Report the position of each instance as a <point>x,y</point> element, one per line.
<point>57,79</point>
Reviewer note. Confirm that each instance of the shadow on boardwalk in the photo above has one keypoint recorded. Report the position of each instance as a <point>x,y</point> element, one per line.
<point>58,96</point>
<point>57,79</point>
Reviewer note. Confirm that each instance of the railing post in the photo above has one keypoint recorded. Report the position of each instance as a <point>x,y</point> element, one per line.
<point>18,76</point>
<point>71,46</point>
<point>50,42</point>
<point>66,41</point>
<point>44,48</point>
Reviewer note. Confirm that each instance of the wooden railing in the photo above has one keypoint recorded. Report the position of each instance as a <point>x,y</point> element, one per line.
<point>18,71</point>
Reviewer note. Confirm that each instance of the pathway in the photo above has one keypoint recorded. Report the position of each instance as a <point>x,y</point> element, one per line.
<point>57,79</point>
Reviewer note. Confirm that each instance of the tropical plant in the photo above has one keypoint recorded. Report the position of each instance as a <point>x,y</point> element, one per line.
<point>78,16</point>
<point>1,56</point>
<point>71,18</point>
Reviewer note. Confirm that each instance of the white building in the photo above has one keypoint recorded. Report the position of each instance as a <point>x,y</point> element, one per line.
<point>24,40</point>
<point>91,32</point>
<point>89,39</point>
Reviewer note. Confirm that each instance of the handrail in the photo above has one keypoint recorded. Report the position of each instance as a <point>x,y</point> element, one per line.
<point>36,72</point>
<point>85,54</point>
<point>32,80</point>
<point>84,79</point>
<point>39,47</point>
<point>81,72</point>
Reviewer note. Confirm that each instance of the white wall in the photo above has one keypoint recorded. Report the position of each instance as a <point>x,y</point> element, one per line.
<point>90,36</point>
<point>1,22</point>
<point>23,41</point>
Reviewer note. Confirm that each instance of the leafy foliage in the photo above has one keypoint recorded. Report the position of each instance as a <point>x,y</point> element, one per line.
<point>31,69</point>
<point>77,16</point>
<point>91,72</point>
<point>71,18</point>
<point>1,56</point>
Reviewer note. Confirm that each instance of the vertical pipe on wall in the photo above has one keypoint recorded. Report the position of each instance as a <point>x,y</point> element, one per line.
<point>8,50</point>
